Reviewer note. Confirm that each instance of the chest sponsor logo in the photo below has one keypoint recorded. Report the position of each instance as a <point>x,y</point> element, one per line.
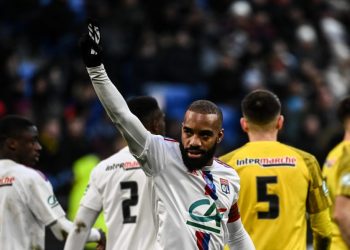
<point>128,165</point>
<point>283,161</point>
<point>205,215</point>
<point>52,201</point>
<point>224,186</point>
<point>7,181</point>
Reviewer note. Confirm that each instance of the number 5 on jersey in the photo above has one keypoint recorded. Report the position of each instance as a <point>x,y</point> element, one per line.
<point>264,196</point>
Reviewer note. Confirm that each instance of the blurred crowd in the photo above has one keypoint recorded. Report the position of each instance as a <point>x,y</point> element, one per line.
<point>177,51</point>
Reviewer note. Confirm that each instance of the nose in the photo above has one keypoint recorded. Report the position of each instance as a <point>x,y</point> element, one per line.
<point>195,141</point>
<point>38,146</point>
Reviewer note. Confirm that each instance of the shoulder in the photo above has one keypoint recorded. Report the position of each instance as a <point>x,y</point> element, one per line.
<point>307,157</point>
<point>28,176</point>
<point>115,161</point>
<point>165,143</point>
<point>338,149</point>
<point>224,167</point>
<point>169,142</point>
<point>228,156</point>
<point>30,173</point>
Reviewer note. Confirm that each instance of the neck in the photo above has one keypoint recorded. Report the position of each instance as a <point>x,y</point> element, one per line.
<point>347,136</point>
<point>262,136</point>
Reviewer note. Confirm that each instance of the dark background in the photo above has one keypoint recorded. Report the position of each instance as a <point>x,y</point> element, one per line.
<point>177,51</point>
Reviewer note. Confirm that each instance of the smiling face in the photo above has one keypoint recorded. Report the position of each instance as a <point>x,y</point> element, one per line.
<point>199,136</point>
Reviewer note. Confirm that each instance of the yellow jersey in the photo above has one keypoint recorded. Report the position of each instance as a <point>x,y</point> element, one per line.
<point>279,186</point>
<point>336,172</point>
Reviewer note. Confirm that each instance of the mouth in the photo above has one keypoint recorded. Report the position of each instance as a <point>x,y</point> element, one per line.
<point>37,157</point>
<point>194,153</point>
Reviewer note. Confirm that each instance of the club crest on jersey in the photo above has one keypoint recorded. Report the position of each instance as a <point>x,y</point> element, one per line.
<point>224,186</point>
<point>205,215</point>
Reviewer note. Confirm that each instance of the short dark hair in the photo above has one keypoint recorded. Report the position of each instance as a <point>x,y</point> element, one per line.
<point>343,109</point>
<point>143,107</point>
<point>12,125</point>
<point>206,107</point>
<point>261,106</point>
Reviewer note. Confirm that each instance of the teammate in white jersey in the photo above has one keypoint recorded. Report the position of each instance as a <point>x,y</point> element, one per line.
<point>119,187</point>
<point>27,201</point>
<point>194,196</point>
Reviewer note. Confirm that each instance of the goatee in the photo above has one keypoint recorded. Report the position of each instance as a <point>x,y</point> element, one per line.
<point>197,163</point>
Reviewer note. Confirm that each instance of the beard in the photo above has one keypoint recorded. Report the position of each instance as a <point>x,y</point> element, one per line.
<point>197,163</point>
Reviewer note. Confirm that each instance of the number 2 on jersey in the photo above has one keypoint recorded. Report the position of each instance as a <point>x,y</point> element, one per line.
<point>134,198</point>
<point>263,196</point>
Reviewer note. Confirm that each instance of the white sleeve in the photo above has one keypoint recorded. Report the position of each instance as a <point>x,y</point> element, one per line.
<point>79,234</point>
<point>92,197</point>
<point>117,109</point>
<point>42,201</point>
<point>238,237</point>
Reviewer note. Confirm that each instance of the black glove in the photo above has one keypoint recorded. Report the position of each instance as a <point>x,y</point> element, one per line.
<point>90,49</point>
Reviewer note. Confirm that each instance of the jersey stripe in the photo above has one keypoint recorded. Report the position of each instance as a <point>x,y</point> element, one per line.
<point>210,188</point>
<point>233,214</point>
<point>202,240</point>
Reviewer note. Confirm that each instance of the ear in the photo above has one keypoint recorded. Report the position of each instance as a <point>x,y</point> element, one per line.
<point>244,124</point>
<point>220,136</point>
<point>155,127</point>
<point>11,143</point>
<point>280,121</point>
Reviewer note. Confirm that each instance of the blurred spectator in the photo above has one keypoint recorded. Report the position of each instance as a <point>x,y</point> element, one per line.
<point>192,49</point>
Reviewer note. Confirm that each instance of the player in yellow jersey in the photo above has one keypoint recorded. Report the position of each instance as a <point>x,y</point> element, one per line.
<point>280,184</point>
<point>336,172</point>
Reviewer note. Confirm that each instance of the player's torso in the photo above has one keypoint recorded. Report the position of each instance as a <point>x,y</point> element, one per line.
<point>274,187</point>
<point>126,203</point>
<point>193,207</point>
<point>19,229</point>
<point>329,171</point>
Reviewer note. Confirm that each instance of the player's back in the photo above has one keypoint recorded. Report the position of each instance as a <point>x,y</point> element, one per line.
<point>19,229</point>
<point>126,201</point>
<point>330,173</point>
<point>275,179</point>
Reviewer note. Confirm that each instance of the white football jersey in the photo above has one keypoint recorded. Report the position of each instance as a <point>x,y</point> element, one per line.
<point>192,209</point>
<point>27,205</point>
<point>118,185</point>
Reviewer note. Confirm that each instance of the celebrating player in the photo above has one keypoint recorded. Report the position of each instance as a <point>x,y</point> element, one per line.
<point>27,202</point>
<point>279,183</point>
<point>336,172</point>
<point>119,187</point>
<point>193,196</point>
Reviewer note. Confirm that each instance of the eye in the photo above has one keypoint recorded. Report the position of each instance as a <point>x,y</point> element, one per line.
<point>187,131</point>
<point>206,135</point>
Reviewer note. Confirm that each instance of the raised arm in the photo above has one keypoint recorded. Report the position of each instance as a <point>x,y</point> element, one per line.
<point>116,107</point>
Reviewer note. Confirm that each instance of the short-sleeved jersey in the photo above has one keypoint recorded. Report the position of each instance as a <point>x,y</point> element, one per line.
<point>279,185</point>
<point>119,186</point>
<point>191,209</point>
<point>336,172</point>
<point>27,205</point>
